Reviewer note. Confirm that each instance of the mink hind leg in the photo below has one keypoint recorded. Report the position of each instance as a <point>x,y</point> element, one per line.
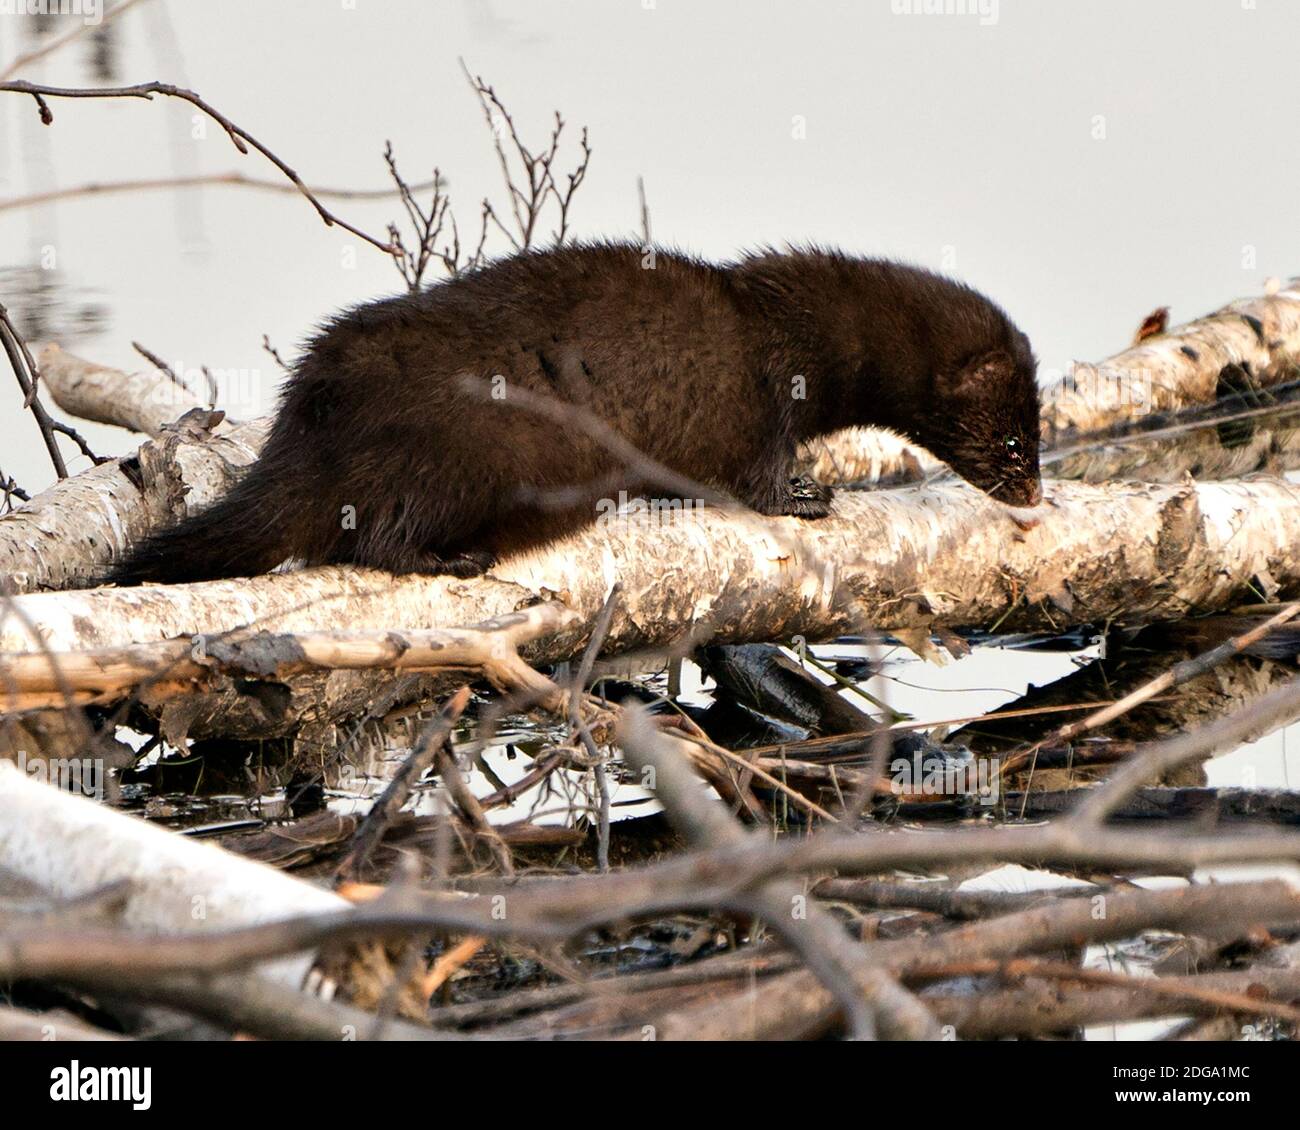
<point>437,561</point>
<point>401,533</point>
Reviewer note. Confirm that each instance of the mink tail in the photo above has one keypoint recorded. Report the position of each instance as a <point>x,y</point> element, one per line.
<point>248,531</point>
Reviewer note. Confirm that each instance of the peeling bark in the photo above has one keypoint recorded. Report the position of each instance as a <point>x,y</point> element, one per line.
<point>66,535</point>
<point>942,556</point>
<point>70,845</point>
<point>140,402</point>
<point>1250,343</point>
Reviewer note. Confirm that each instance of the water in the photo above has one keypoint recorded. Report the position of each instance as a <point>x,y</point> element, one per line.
<point>939,698</point>
<point>751,122</point>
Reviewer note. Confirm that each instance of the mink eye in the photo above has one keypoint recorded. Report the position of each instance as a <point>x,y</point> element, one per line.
<point>1013,447</point>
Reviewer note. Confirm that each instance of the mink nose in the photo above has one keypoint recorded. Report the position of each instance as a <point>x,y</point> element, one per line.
<point>1035,495</point>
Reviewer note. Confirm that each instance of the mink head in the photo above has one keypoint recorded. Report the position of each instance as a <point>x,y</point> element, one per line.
<point>988,428</point>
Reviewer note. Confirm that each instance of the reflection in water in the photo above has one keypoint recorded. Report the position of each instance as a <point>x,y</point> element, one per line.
<point>104,53</point>
<point>43,304</point>
<point>46,307</point>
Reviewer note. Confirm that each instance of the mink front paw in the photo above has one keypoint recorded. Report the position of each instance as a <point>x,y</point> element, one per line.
<point>472,563</point>
<point>807,498</point>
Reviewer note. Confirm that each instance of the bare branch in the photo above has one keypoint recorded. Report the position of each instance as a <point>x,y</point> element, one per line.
<point>239,137</point>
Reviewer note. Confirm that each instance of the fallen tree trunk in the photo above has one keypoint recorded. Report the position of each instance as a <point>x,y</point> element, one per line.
<point>140,402</point>
<point>69,846</point>
<point>1253,343</point>
<point>945,556</point>
<point>66,535</point>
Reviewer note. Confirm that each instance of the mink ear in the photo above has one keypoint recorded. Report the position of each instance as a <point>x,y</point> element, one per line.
<point>981,371</point>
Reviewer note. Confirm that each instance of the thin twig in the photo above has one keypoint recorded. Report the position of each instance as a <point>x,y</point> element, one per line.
<point>11,490</point>
<point>200,180</point>
<point>24,369</point>
<point>645,211</point>
<point>161,365</point>
<point>598,633</point>
<point>275,353</point>
<point>382,812</point>
<point>239,137</point>
<point>528,203</point>
<point>470,808</point>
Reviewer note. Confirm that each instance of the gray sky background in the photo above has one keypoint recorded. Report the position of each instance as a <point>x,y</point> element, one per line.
<point>1082,163</point>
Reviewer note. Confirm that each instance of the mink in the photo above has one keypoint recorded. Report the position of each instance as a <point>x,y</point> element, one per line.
<point>397,444</point>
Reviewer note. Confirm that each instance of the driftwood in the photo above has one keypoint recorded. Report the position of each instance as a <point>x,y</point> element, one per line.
<point>45,678</point>
<point>730,871</point>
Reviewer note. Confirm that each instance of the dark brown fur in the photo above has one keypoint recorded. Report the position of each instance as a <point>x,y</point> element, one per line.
<point>695,364</point>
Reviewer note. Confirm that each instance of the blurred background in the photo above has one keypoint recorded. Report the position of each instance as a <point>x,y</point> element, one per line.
<point>1082,163</point>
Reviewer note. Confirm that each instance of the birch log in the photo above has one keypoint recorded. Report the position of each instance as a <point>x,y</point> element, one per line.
<point>1251,343</point>
<point>936,556</point>
<point>140,402</point>
<point>68,845</point>
<point>65,536</point>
